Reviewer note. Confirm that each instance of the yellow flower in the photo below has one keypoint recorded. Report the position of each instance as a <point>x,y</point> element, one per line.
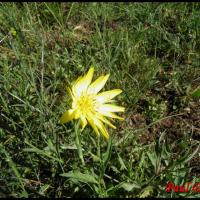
<point>90,106</point>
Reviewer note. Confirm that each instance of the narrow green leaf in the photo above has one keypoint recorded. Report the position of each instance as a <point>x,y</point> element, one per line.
<point>146,192</point>
<point>12,165</point>
<point>78,176</point>
<point>191,155</point>
<point>123,166</point>
<point>130,186</point>
<point>196,93</point>
<point>152,158</point>
<point>43,189</point>
<point>40,152</point>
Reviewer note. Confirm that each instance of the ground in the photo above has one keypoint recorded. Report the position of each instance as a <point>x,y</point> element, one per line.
<point>151,51</point>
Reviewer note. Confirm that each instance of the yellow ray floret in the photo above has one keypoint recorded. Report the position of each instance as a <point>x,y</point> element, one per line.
<point>104,97</point>
<point>90,106</point>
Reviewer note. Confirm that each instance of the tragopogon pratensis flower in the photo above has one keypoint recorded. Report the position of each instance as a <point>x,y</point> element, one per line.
<point>90,106</point>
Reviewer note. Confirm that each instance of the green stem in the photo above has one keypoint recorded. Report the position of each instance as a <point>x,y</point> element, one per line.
<point>98,147</point>
<point>100,182</point>
<point>78,142</point>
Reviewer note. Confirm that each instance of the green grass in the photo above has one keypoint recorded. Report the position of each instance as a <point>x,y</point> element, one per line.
<point>151,51</point>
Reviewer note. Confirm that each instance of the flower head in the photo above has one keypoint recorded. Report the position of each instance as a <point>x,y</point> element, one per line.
<point>90,106</point>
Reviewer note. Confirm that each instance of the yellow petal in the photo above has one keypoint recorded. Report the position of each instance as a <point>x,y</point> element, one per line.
<point>70,92</point>
<point>82,83</point>
<point>97,125</point>
<point>107,95</point>
<point>77,81</point>
<point>77,114</point>
<point>102,128</point>
<point>110,108</point>
<point>67,116</point>
<point>88,78</point>
<point>109,114</point>
<point>109,123</point>
<point>103,119</point>
<point>92,124</point>
<point>98,84</point>
<point>83,122</point>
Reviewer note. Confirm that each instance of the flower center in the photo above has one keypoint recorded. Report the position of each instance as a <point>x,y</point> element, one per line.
<point>85,104</point>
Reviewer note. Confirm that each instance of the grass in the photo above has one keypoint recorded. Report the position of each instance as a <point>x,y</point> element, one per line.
<point>151,51</point>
